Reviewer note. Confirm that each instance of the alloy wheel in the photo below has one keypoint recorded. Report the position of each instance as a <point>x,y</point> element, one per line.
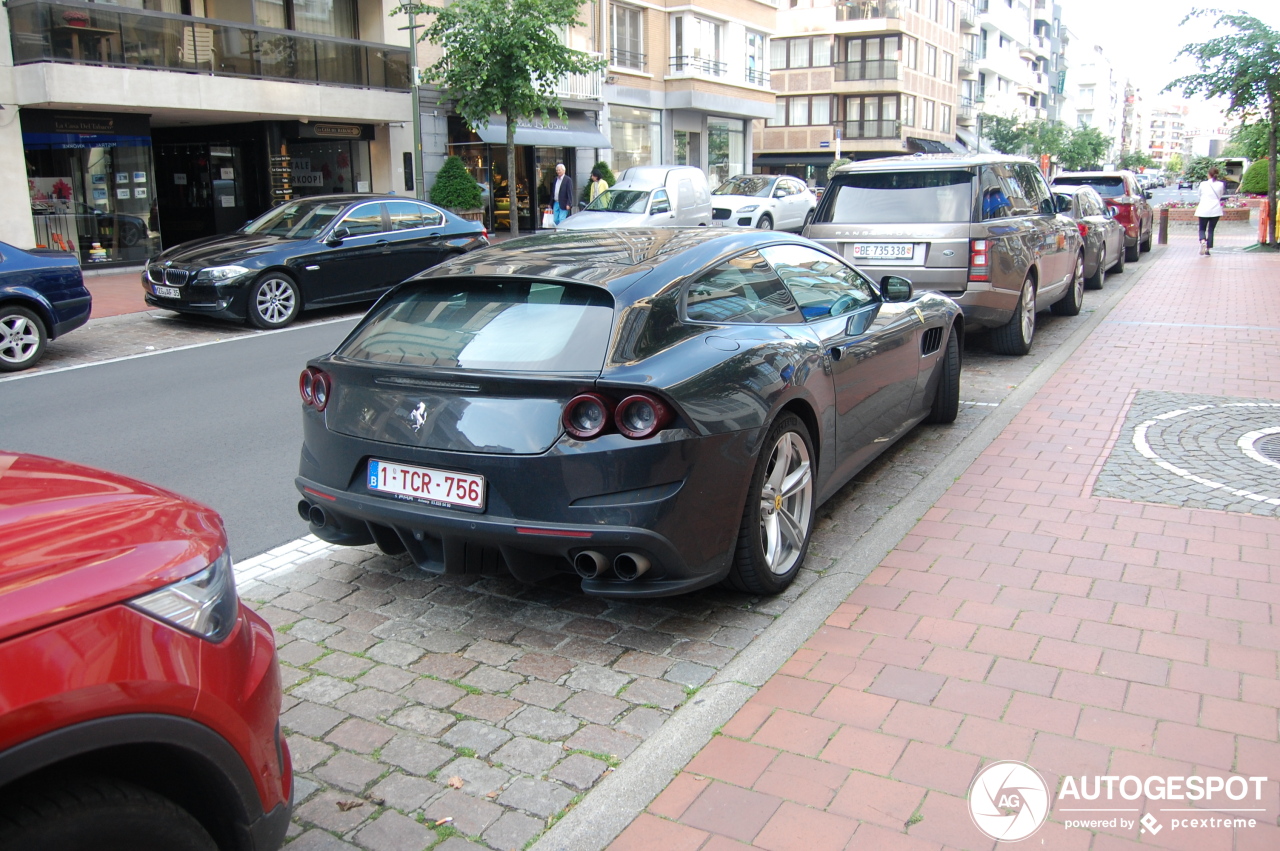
<point>19,339</point>
<point>275,301</point>
<point>1028,318</point>
<point>786,503</point>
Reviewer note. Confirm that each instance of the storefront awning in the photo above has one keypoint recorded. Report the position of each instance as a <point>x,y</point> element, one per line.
<point>794,159</point>
<point>576,132</point>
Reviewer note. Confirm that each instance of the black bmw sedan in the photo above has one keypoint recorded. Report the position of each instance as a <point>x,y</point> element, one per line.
<point>655,410</point>
<point>313,252</point>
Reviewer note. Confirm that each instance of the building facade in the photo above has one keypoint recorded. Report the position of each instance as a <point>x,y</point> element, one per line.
<point>1099,93</point>
<point>861,79</point>
<point>1165,130</point>
<point>1015,52</point>
<point>127,129</point>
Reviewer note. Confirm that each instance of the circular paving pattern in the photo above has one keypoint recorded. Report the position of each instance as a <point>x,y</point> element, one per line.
<point>1198,452</point>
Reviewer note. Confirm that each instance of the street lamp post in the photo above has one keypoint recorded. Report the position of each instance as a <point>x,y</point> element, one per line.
<point>415,74</point>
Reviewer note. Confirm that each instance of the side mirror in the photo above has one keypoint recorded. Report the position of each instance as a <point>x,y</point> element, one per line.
<point>1048,207</point>
<point>1064,203</point>
<point>660,207</point>
<point>1147,194</point>
<point>338,235</point>
<point>895,288</point>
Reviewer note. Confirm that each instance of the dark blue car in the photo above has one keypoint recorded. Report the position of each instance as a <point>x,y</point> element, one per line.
<point>42,297</point>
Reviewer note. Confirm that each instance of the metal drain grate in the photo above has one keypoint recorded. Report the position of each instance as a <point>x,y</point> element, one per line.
<point>1269,447</point>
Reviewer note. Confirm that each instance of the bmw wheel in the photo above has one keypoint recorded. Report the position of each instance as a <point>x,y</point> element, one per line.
<point>778,519</point>
<point>274,301</point>
<point>765,223</point>
<point>1014,337</point>
<point>22,338</point>
<point>1073,299</point>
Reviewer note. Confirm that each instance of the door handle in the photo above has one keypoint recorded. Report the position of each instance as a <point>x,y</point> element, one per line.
<point>382,242</point>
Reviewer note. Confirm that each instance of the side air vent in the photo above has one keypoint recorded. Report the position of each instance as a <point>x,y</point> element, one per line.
<point>932,340</point>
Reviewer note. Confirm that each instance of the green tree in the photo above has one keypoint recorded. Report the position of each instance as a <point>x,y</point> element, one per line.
<point>1003,133</point>
<point>1255,179</point>
<point>1135,160</point>
<point>1086,148</point>
<point>1248,140</point>
<point>1173,165</point>
<point>1243,66</point>
<point>503,57</point>
<point>455,187</point>
<point>1044,137</point>
<point>1198,169</point>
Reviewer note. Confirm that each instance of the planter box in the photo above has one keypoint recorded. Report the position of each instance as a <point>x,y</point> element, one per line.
<point>469,215</point>
<point>1188,214</point>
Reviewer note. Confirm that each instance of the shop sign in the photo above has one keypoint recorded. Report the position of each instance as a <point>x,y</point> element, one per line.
<point>338,131</point>
<point>308,178</point>
<point>83,124</point>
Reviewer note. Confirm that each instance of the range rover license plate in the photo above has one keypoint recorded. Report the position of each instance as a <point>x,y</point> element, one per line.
<point>881,250</point>
<point>441,487</point>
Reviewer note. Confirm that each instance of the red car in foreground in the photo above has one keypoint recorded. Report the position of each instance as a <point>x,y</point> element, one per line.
<point>139,700</point>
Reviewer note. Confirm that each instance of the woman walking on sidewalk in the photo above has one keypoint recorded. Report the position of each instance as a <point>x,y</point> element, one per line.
<point>1210,209</point>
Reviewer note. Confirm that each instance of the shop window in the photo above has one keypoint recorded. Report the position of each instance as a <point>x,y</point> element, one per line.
<point>636,136</point>
<point>726,149</point>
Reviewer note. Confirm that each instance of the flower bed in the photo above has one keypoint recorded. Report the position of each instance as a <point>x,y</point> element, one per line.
<point>1187,213</point>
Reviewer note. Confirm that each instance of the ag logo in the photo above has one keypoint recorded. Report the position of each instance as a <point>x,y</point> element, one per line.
<point>1008,801</point>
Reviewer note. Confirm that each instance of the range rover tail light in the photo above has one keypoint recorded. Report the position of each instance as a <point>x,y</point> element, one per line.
<point>979,260</point>
<point>315,386</point>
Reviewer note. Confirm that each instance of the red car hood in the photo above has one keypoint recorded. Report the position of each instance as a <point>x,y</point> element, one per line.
<point>74,539</point>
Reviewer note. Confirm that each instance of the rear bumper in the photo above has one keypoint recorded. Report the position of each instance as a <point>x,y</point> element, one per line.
<point>71,314</point>
<point>985,307</point>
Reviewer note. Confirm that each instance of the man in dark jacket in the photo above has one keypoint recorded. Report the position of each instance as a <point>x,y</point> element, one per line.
<point>562,194</point>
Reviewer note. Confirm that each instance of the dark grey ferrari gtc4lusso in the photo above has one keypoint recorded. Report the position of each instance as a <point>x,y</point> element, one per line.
<point>658,410</point>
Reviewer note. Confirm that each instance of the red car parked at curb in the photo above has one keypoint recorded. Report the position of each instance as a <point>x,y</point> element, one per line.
<point>139,700</point>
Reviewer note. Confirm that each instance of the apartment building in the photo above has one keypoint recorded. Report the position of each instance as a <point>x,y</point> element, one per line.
<point>860,79</point>
<point>1099,93</point>
<point>137,126</point>
<point>1015,49</point>
<point>1165,130</point>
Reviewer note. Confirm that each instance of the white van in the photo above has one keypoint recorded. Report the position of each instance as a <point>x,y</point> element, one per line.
<point>648,196</point>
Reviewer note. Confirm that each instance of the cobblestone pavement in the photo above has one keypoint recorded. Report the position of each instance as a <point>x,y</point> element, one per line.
<point>413,698</point>
<point>1196,452</point>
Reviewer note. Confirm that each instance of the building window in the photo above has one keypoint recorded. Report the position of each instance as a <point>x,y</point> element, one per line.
<point>802,111</point>
<point>871,117</point>
<point>799,112</point>
<point>926,114</point>
<point>627,37</point>
<point>317,17</point>
<point>636,136</point>
<point>697,46</point>
<point>726,149</point>
<point>948,67</point>
<point>756,72</point>
<point>870,59</point>
<point>946,118</point>
<point>932,10</point>
<point>909,110</point>
<point>930,60</point>
<point>950,8</point>
<point>909,47</point>
<point>778,54</point>
<point>801,52</point>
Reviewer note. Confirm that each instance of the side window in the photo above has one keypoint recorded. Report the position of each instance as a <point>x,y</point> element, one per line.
<point>820,284</point>
<point>364,219</point>
<point>407,215</point>
<point>995,195</point>
<point>743,289</point>
<point>660,203</point>
<point>1034,188</point>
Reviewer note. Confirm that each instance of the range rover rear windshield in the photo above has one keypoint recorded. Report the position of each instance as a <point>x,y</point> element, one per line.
<point>508,325</point>
<point>1108,187</point>
<point>899,197</point>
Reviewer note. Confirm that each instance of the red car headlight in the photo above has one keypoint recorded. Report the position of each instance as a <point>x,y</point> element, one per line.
<point>203,604</point>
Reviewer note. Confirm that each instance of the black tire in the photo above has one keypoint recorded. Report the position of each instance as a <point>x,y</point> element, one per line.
<point>751,571</point>
<point>946,400</point>
<point>808,220</point>
<point>765,222</point>
<point>1095,281</point>
<point>1132,252</point>
<point>22,338</point>
<point>1145,244</point>
<point>1016,336</point>
<point>1073,300</point>
<point>274,301</point>
<point>1119,266</point>
<point>98,814</point>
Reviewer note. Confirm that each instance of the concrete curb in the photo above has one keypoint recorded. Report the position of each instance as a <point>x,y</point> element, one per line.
<point>613,804</point>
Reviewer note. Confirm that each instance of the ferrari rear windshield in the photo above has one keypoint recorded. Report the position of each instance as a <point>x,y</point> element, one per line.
<point>507,325</point>
<point>900,197</point>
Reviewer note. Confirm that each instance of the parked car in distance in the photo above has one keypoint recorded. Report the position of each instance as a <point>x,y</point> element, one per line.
<point>647,197</point>
<point>982,229</point>
<point>317,251</point>
<point>763,201</point>
<point>141,700</point>
<point>656,410</point>
<point>1128,200</point>
<point>1103,235</point>
<point>42,297</point>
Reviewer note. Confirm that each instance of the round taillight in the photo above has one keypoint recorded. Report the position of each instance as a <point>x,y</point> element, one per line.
<point>586,416</point>
<point>640,416</point>
<point>306,382</point>
<point>320,390</point>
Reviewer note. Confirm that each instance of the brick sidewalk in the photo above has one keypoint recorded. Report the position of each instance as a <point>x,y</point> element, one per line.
<point>1026,618</point>
<point>115,293</point>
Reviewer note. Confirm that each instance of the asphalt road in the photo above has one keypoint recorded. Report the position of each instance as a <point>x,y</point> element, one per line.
<point>220,423</point>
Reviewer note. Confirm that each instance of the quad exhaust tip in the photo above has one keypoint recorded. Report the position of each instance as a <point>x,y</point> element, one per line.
<point>313,514</point>
<point>630,566</point>
<point>590,564</point>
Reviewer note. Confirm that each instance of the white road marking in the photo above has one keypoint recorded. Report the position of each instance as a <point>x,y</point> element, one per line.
<point>1247,441</point>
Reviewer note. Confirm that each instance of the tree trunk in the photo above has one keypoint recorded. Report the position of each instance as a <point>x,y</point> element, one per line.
<point>513,185</point>
<point>1271,171</point>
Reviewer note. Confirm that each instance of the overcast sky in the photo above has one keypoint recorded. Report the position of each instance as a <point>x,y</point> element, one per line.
<point>1142,37</point>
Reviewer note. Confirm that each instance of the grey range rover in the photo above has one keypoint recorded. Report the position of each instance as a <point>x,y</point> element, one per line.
<point>982,229</point>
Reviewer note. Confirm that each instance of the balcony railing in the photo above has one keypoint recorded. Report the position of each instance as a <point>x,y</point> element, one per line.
<point>627,59</point>
<point>586,86</point>
<point>882,129</point>
<point>968,14</point>
<point>863,10</point>
<point>968,62</point>
<point>967,109</point>
<point>756,77</point>
<point>875,69</point>
<point>698,65</point>
<point>98,34</point>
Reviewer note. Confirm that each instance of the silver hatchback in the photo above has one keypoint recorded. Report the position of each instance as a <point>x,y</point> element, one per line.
<point>982,229</point>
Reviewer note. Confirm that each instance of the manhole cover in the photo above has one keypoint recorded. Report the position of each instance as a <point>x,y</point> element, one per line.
<point>1269,447</point>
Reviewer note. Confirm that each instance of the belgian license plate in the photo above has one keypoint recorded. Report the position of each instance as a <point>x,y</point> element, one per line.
<point>167,292</point>
<point>882,250</point>
<point>441,487</point>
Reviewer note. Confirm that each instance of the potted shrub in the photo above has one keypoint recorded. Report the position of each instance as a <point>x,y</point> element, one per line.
<point>457,191</point>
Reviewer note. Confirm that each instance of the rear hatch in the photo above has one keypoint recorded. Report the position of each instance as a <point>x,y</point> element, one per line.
<point>1112,189</point>
<point>914,223</point>
<point>470,364</point>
